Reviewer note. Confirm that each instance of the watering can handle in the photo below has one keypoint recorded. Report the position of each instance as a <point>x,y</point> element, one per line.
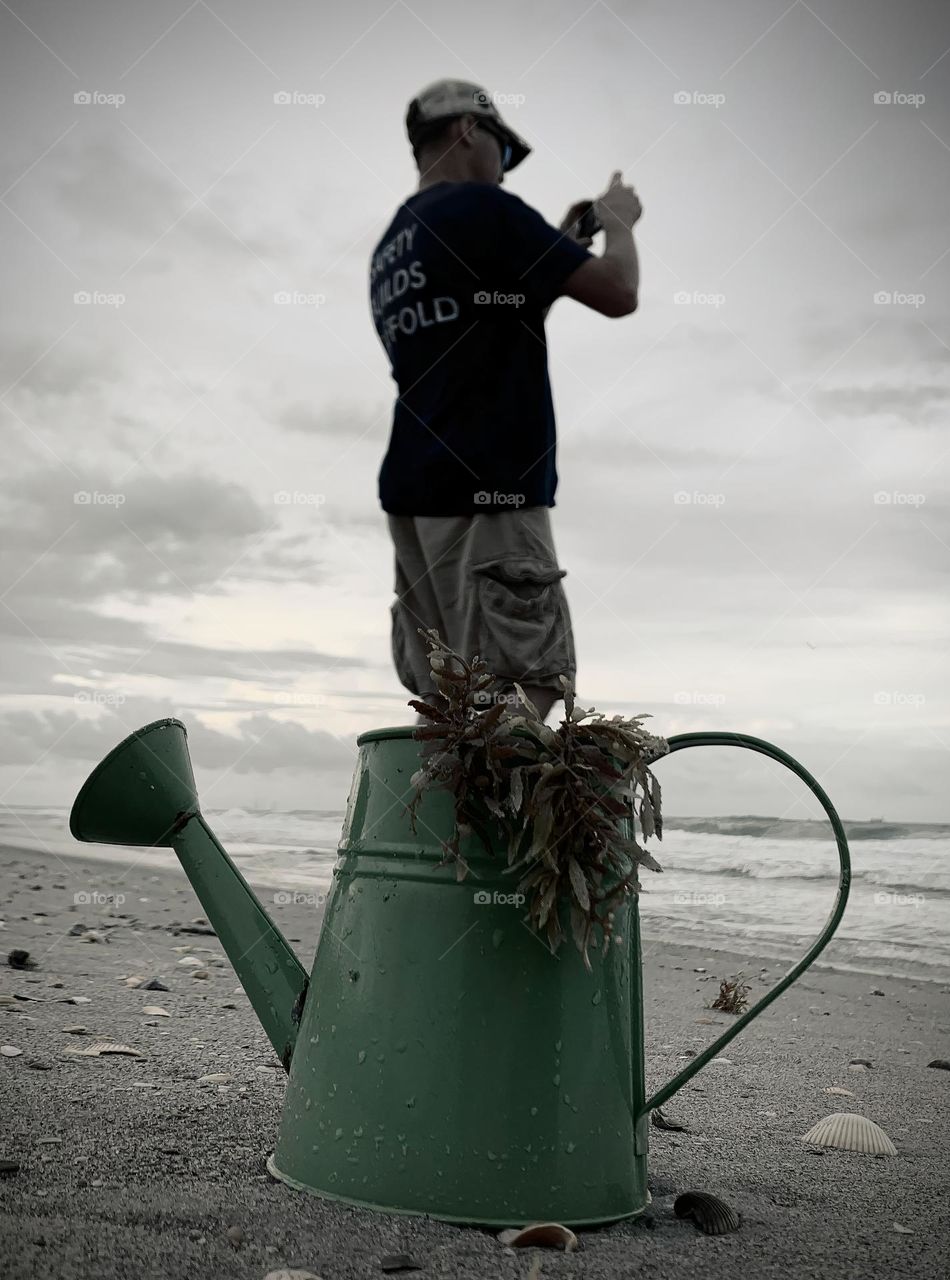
<point>677,743</point>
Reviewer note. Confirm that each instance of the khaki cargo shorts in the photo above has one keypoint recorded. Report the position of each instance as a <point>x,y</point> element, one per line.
<point>490,585</point>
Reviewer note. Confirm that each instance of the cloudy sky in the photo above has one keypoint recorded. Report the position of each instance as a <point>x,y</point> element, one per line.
<point>753,506</point>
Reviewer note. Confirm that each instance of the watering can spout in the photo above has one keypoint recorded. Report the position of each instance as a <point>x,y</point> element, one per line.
<point>143,793</point>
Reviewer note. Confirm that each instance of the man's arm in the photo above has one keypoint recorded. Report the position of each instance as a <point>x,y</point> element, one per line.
<point>610,284</point>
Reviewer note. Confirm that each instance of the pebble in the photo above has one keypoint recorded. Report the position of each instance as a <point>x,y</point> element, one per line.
<point>201,973</point>
<point>10,1050</point>
<point>216,1077</point>
<point>235,1236</point>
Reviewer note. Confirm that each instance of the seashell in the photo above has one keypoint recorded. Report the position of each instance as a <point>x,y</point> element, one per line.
<point>216,1077</point>
<point>156,1011</point>
<point>93,935</point>
<point>6,1001</point>
<point>848,1132</point>
<point>660,1121</point>
<point>940,1063</point>
<point>135,981</point>
<point>291,1273</point>
<point>106,1046</point>
<point>10,1050</point>
<point>723,1062</point>
<point>903,1231</point>
<point>860,1062</point>
<point>842,1093</point>
<point>710,1215</point>
<point>201,973</point>
<point>76,1000</point>
<point>74,1030</point>
<point>539,1233</point>
<point>154,984</point>
<point>191,962</point>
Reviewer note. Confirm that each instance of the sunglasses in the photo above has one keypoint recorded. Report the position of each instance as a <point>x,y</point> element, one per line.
<point>501,140</point>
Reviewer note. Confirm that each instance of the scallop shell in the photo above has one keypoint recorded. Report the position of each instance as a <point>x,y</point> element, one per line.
<point>539,1233</point>
<point>710,1214</point>
<point>847,1132</point>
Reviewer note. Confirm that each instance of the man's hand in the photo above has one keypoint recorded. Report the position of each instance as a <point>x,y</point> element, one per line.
<point>619,206</point>
<point>569,224</point>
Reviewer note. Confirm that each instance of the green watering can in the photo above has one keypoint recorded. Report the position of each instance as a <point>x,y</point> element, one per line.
<point>441,1060</point>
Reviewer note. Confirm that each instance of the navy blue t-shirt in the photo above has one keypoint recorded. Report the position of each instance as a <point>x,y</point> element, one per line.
<point>458,284</point>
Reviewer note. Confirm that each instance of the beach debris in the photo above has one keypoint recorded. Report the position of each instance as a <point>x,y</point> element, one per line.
<point>399,1262</point>
<point>18,959</point>
<point>75,1000</point>
<point>188,962</point>
<point>708,1022</point>
<point>10,1050</point>
<point>155,1011</point>
<point>216,1077</point>
<point>733,995</point>
<point>9,1166</point>
<point>38,1064</point>
<point>6,1001</point>
<point>903,1231</point>
<point>710,1215</point>
<point>154,984</point>
<point>76,930</point>
<point>291,1273</point>
<point>876,991</point>
<point>860,1062</point>
<point>699,971</point>
<point>106,1047</point>
<point>660,1121</point>
<point>134,980</point>
<point>235,1236</point>
<point>845,1131</point>
<point>199,926</point>
<point>75,1030</point>
<point>539,1233</point>
<point>203,974</point>
<point>941,1064</point>
<point>841,1093</point>
<point>93,935</point>
<point>723,1062</point>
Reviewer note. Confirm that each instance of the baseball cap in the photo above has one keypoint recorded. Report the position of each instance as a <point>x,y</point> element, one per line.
<point>445,99</point>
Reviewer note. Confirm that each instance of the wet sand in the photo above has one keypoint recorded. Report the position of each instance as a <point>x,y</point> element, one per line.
<point>130,1167</point>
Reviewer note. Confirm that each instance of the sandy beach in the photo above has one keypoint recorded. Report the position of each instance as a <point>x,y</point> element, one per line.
<point>132,1166</point>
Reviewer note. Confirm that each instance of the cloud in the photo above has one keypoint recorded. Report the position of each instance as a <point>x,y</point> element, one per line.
<point>921,403</point>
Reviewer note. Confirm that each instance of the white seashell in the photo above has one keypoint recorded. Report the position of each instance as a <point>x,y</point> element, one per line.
<point>842,1093</point>
<point>6,1000</point>
<point>136,980</point>
<point>847,1132</point>
<point>903,1231</point>
<point>106,1046</point>
<point>723,1062</point>
<point>189,961</point>
<point>10,1050</point>
<point>539,1233</point>
<point>216,1077</point>
<point>156,1011</point>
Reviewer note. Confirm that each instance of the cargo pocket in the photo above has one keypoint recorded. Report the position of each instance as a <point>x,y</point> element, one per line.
<point>522,625</point>
<point>401,640</point>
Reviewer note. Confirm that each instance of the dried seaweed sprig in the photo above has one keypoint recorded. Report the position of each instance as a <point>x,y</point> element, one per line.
<point>561,806</point>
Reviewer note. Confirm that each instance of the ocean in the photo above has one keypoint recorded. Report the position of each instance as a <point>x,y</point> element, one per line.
<point>728,882</point>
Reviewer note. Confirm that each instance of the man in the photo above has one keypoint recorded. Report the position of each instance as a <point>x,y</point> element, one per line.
<point>460,284</point>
